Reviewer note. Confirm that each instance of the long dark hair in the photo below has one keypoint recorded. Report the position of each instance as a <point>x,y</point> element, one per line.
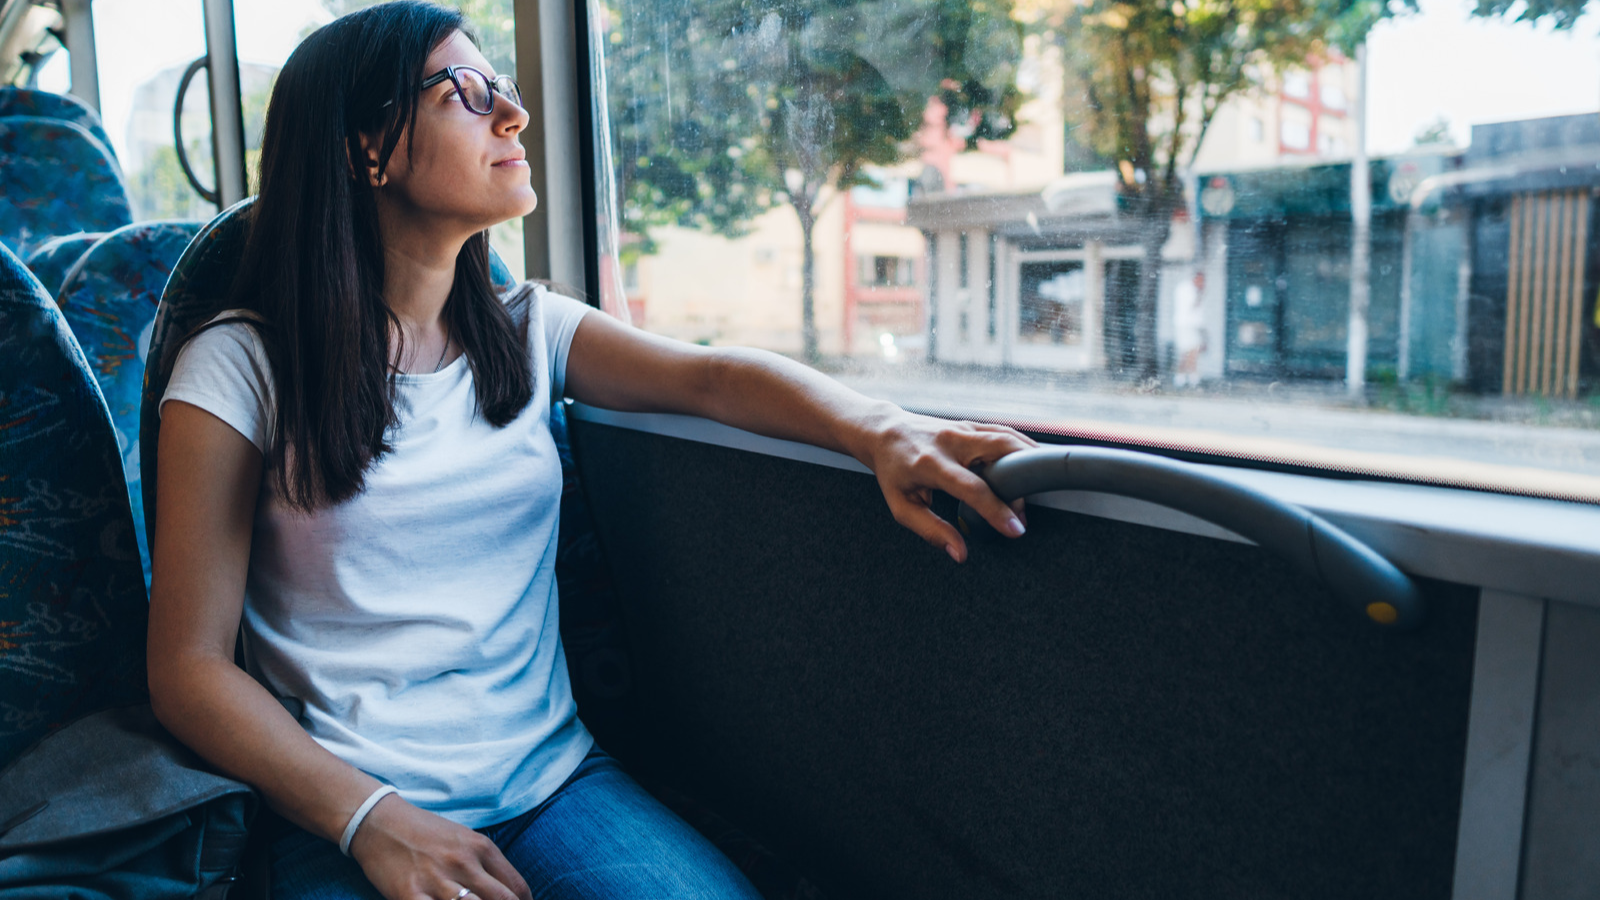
<point>313,262</point>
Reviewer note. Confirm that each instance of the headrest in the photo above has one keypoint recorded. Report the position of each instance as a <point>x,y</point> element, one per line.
<point>55,179</point>
<point>110,298</point>
<point>197,291</point>
<point>72,609</point>
<point>51,261</point>
<point>45,105</point>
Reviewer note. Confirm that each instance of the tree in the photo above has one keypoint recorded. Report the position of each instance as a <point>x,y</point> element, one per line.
<point>1156,72</point>
<point>1434,134</point>
<point>722,109</point>
<point>491,20</point>
<point>1561,13</point>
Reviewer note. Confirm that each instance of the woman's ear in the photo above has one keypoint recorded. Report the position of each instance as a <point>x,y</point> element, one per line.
<point>370,163</point>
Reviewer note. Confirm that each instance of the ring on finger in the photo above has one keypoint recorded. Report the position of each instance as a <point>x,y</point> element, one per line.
<point>464,892</point>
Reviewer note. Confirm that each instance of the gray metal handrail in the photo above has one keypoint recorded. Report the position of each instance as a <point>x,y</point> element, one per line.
<point>1358,575</point>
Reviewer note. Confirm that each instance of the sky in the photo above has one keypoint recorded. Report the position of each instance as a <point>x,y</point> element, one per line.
<point>1442,62</point>
<point>1421,67</point>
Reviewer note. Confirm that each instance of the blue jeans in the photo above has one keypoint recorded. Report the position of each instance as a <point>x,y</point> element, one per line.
<point>599,835</point>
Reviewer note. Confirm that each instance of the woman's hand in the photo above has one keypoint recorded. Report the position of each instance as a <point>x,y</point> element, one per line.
<point>915,455</point>
<point>412,854</point>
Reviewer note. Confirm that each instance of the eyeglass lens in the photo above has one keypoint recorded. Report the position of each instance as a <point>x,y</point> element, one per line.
<point>475,89</point>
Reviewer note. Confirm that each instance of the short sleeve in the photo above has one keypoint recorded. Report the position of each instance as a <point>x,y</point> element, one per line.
<point>561,315</point>
<point>224,371</point>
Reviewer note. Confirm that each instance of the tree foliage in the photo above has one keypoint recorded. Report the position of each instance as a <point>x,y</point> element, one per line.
<point>491,21</point>
<point>1156,72</point>
<point>721,109</point>
<point>717,105</point>
<point>1563,14</point>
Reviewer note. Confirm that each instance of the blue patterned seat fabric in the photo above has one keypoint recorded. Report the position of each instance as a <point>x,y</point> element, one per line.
<point>72,602</point>
<point>16,101</point>
<point>55,179</point>
<point>110,299</point>
<point>54,258</point>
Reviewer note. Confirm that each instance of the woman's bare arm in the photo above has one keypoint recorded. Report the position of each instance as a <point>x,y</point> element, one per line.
<point>617,367</point>
<point>209,477</point>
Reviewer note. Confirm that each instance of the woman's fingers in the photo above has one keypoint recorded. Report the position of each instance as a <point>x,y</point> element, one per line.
<point>933,455</point>
<point>967,487</point>
<point>1008,430</point>
<point>1020,507</point>
<point>912,511</point>
<point>497,867</point>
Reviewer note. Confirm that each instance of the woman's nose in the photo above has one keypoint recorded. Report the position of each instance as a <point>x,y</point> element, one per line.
<point>509,118</point>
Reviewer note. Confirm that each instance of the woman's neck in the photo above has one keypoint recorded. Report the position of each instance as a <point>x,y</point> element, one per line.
<point>417,282</point>
<point>419,269</point>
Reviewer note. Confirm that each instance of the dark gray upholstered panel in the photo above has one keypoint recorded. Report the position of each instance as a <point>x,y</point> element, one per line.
<point>1561,855</point>
<point>1100,710</point>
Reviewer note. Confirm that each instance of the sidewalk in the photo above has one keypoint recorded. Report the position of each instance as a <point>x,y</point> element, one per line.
<point>1300,423</point>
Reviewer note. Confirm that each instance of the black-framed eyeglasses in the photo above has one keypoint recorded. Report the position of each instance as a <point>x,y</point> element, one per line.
<point>476,90</point>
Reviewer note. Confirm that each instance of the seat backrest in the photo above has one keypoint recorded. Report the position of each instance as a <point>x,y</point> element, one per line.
<point>53,259</point>
<point>72,600</point>
<point>55,179</point>
<point>110,298</point>
<point>16,101</point>
<point>197,291</point>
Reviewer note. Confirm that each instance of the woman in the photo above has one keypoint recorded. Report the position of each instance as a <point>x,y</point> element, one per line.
<point>356,463</point>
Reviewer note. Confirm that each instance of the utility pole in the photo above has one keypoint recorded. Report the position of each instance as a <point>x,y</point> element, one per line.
<point>1355,370</point>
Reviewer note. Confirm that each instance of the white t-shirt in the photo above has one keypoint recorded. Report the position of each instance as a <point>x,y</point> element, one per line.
<point>412,629</point>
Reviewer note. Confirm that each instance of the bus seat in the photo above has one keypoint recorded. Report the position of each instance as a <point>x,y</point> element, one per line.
<point>15,101</point>
<point>72,600</point>
<point>55,179</point>
<point>109,298</point>
<point>51,261</point>
<point>591,616</point>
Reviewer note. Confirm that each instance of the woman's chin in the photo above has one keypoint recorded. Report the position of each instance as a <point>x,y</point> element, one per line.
<point>505,212</point>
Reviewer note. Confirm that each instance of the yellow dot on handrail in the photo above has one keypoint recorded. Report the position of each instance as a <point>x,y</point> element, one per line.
<point>1382,613</point>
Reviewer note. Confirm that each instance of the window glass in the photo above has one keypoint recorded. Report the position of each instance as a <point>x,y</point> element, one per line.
<point>269,30</point>
<point>1010,196</point>
<point>142,48</point>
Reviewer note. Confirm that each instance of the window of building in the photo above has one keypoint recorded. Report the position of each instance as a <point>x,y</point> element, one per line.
<point>1294,128</point>
<point>1297,84</point>
<point>885,271</point>
<point>1332,92</point>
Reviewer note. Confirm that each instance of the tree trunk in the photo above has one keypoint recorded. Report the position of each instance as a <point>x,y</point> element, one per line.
<point>808,289</point>
<point>1157,228</point>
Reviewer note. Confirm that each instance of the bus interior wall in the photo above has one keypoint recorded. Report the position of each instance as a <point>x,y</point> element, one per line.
<point>1101,709</point>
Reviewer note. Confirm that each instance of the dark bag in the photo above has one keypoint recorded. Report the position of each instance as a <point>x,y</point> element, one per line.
<point>112,807</point>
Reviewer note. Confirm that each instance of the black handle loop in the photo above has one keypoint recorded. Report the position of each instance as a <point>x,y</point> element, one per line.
<point>177,132</point>
<point>1357,574</point>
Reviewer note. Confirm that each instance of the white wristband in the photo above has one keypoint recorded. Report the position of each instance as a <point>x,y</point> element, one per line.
<point>361,813</point>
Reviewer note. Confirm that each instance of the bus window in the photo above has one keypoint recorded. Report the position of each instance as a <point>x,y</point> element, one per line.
<point>269,30</point>
<point>1368,250</point>
<point>142,49</point>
